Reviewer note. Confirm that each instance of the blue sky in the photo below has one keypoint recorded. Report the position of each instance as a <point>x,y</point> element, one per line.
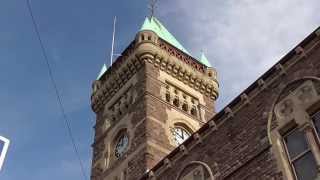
<point>242,39</point>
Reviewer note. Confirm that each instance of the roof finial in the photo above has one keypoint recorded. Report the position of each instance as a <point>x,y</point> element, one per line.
<point>152,7</point>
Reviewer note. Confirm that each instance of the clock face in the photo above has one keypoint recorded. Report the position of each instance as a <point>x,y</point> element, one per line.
<point>122,145</point>
<point>180,135</point>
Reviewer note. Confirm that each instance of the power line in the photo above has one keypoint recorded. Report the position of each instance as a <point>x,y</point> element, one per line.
<point>67,122</point>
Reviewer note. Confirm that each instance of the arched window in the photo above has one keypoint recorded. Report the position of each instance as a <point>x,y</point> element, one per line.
<point>180,134</point>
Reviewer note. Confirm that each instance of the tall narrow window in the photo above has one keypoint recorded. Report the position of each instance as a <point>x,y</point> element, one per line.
<point>168,97</point>
<point>185,107</point>
<point>176,102</point>
<point>194,111</point>
<point>300,155</point>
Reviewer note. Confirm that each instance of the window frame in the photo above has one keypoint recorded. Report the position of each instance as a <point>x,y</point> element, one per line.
<point>315,132</point>
<point>300,155</point>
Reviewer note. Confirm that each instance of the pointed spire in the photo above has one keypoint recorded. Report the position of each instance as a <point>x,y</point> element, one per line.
<point>102,71</point>
<point>204,60</point>
<point>153,24</point>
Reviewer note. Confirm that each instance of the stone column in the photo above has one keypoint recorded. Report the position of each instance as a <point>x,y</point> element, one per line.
<point>201,113</point>
<point>309,131</point>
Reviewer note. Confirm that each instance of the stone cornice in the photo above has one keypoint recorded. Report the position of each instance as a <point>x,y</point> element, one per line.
<point>113,80</point>
<point>175,66</point>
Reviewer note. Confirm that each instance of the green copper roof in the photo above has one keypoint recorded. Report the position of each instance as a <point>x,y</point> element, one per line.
<point>204,60</point>
<point>153,24</point>
<point>102,71</point>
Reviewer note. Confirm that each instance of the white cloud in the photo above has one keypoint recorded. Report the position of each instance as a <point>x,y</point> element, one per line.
<point>242,38</point>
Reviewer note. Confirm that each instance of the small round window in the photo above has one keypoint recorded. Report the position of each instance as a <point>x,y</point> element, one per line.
<point>180,134</point>
<point>121,145</point>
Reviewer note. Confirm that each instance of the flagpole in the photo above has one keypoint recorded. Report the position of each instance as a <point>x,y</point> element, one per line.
<point>113,36</point>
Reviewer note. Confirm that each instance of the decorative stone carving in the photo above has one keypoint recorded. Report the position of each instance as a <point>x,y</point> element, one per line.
<point>229,112</point>
<point>297,102</point>
<point>280,68</point>
<point>262,83</point>
<point>245,98</point>
<point>198,138</point>
<point>183,149</point>
<point>300,51</point>
<point>306,93</point>
<point>285,108</point>
<point>167,162</point>
<point>213,125</point>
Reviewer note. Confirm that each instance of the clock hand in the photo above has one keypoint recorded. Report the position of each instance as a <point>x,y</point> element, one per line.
<point>181,136</point>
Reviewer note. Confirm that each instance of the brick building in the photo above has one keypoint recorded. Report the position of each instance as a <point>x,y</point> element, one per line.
<point>156,116</point>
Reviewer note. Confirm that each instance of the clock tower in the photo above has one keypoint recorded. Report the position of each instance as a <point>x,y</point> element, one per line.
<point>148,102</point>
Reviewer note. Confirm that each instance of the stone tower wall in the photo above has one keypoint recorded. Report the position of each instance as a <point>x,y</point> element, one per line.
<point>131,98</point>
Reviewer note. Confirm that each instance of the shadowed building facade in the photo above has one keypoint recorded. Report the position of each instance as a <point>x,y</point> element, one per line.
<point>156,117</point>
